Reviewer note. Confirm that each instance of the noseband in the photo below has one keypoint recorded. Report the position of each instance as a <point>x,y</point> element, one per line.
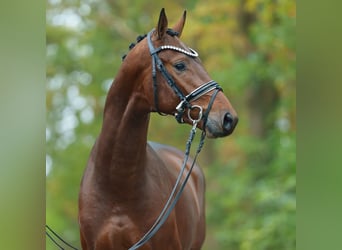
<point>185,100</point>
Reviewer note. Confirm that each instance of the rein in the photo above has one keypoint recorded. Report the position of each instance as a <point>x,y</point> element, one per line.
<point>181,107</point>
<point>174,197</point>
<point>54,237</point>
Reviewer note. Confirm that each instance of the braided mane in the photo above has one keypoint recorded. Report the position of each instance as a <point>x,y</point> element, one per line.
<point>171,32</point>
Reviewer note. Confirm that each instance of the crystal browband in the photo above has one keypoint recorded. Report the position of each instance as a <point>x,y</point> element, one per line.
<point>192,52</point>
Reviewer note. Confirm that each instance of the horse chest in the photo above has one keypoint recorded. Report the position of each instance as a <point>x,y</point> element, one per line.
<point>121,231</point>
<point>128,222</point>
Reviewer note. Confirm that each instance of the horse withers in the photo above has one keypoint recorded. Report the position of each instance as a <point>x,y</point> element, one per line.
<point>128,180</point>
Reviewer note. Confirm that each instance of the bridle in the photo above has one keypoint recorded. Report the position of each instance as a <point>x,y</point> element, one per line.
<point>185,100</point>
<point>185,103</point>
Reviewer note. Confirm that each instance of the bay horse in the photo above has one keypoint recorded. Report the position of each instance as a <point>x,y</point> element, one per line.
<point>128,180</point>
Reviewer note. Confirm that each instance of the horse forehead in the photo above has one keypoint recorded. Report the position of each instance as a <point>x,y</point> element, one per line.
<point>175,41</point>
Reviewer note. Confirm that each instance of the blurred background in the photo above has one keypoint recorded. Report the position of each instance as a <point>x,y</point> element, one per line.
<point>248,46</point>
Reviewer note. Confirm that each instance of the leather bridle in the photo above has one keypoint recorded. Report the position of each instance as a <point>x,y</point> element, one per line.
<point>185,103</point>
<point>185,100</point>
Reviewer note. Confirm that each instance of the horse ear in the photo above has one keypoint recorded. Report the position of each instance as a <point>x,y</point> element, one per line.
<point>162,24</point>
<point>180,25</point>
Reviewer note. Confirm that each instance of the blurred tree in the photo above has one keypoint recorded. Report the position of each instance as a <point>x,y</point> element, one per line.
<point>246,45</point>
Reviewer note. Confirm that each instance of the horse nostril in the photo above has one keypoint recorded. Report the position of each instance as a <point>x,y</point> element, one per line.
<point>229,123</point>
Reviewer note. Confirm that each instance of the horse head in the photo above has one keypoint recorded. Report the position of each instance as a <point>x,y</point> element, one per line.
<point>180,85</point>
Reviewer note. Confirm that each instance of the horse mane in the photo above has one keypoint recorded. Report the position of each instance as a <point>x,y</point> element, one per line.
<point>139,38</point>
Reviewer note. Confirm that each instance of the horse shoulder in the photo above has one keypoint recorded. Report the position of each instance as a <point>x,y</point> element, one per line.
<point>173,159</point>
<point>191,207</point>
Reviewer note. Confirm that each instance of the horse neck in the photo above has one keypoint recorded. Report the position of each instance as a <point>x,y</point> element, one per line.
<point>121,146</point>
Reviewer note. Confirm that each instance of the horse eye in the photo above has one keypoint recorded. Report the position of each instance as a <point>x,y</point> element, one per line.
<point>180,66</point>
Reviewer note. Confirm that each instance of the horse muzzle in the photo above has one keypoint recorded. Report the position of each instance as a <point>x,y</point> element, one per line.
<point>221,125</point>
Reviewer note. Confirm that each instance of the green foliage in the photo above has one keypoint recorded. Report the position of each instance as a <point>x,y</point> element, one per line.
<point>248,46</point>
